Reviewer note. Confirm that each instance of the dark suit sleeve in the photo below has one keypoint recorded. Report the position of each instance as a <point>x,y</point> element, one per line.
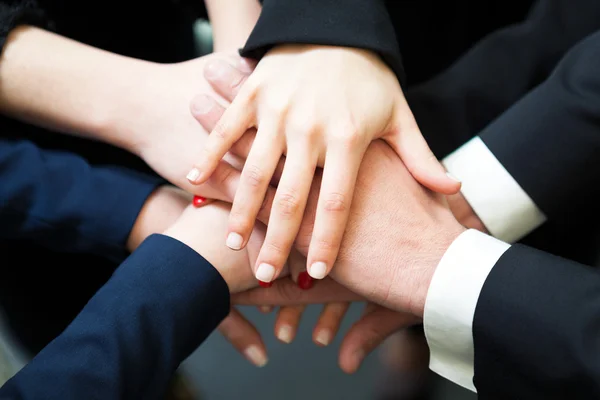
<point>20,12</point>
<point>160,304</point>
<point>498,71</point>
<point>536,329</point>
<point>363,24</point>
<point>60,201</point>
<point>549,141</point>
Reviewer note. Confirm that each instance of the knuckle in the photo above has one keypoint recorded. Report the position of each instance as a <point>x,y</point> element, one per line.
<point>255,176</point>
<point>325,244</point>
<point>220,130</point>
<point>240,222</point>
<point>287,292</point>
<point>288,205</point>
<point>335,202</point>
<point>276,249</point>
<point>347,135</point>
<point>221,177</point>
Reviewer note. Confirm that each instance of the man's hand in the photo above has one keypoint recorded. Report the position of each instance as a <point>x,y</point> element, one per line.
<point>464,213</point>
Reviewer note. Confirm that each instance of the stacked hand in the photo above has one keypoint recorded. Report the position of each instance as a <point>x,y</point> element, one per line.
<point>364,255</point>
<point>322,107</point>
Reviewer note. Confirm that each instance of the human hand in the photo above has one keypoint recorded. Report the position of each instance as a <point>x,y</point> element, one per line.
<point>464,213</point>
<point>162,208</point>
<point>155,123</point>
<point>349,98</point>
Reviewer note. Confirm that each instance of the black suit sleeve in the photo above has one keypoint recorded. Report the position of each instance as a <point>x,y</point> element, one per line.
<point>498,71</point>
<point>536,329</point>
<point>363,24</point>
<point>549,141</point>
<point>20,12</point>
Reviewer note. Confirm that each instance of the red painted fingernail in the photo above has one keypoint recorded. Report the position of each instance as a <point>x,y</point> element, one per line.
<point>265,284</point>
<point>198,201</point>
<point>305,281</point>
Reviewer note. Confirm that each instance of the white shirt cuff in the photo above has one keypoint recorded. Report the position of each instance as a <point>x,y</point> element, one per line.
<point>451,302</point>
<point>502,205</point>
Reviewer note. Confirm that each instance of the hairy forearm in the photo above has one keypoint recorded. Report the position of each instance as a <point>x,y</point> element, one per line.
<point>54,82</point>
<point>232,21</point>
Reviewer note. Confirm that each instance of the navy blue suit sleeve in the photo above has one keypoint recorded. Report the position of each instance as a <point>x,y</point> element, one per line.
<point>60,201</point>
<point>160,304</point>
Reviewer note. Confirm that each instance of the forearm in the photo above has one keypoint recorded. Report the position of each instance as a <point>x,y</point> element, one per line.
<point>55,82</point>
<point>161,303</point>
<point>232,21</point>
<point>60,201</point>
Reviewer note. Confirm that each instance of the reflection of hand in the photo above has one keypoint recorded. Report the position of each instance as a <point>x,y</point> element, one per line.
<point>321,106</point>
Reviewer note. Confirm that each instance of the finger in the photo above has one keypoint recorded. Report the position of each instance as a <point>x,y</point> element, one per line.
<point>220,186</point>
<point>297,263</point>
<point>244,337</point>
<point>286,212</point>
<point>329,322</point>
<point>368,333</point>
<point>207,112</point>
<point>266,309</point>
<point>337,188</point>
<point>287,321</point>
<point>242,148</point>
<point>421,162</point>
<point>200,201</point>
<point>286,292</point>
<point>225,78</point>
<point>252,187</point>
<point>232,125</point>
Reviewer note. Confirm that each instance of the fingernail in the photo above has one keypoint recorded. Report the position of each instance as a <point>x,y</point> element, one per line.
<point>202,104</point>
<point>246,65</point>
<point>305,281</point>
<point>359,356</point>
<point>256,356</point>
<point>265,284</point>
<point>193,175</point>
<point>198,201</point>
<point>234,241</point>
<point>285,334</point>
<point>265,309</point>
<point>318,270</point>
<point>449,175</point>
<point>265,272</point>
<point>323,337</point>
<point>217,69</point>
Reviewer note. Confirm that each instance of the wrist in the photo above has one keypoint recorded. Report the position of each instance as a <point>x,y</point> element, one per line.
<point>161,210</point>
<point>432,254</point>
<point>134,83</point>
<point>209,243</point>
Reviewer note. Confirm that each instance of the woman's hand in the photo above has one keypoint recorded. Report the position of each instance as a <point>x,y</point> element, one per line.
<point>321,106</point>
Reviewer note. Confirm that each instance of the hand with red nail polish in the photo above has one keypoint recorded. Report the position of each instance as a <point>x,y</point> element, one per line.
<point>198,201</point>
<point>305,281</point>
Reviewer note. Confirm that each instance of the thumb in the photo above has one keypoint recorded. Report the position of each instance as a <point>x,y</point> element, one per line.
<point>420,161</point>
<point>370,331</point>
<point>226,79</point>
